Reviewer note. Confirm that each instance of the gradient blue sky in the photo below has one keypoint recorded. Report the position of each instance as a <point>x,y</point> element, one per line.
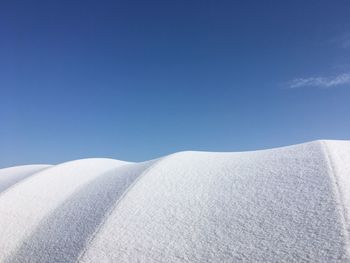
<point>135,80</point>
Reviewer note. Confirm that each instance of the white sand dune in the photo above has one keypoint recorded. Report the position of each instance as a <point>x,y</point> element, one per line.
<point>289,204</point>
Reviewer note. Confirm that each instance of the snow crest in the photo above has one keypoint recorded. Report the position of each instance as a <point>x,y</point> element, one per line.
<point>288,204</point>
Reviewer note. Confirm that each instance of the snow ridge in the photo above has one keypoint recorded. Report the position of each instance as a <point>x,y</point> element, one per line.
<point>338,196</point>
<point>288,204</point>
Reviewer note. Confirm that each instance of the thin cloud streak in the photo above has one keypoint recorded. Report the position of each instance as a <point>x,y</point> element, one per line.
<point>321,82</point>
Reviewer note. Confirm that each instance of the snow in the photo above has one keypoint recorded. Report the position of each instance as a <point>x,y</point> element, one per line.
<point>12,175</point>
<point>288,204</point>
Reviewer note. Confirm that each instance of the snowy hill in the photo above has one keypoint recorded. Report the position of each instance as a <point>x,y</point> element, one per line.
<point>288,204</point>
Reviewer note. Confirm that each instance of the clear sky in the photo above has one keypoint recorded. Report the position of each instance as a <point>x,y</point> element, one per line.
<point>135,80</point>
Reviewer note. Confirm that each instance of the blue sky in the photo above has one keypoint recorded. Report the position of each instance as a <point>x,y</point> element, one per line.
<point>135,80</point>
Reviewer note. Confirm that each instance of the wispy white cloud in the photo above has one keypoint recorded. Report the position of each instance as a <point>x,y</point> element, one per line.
<point>321,82</point>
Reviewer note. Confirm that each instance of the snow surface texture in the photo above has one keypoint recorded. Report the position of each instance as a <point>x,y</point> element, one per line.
<point>289,204</point>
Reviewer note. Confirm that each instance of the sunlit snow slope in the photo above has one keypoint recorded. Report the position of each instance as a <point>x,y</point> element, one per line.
<point>289,204</point>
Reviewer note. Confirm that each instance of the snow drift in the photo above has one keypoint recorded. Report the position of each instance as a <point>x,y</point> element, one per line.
<point>288,204</point>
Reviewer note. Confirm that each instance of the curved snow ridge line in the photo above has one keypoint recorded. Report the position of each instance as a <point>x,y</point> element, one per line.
<point>338,195</point>
<point>13,175</point>
<point>67,227</point>
<point>153,164</point>
<point>339,158</point>
<point>277,205</point>
<point>18,174</point>
<point>263,206</point>
<point>25,205</point>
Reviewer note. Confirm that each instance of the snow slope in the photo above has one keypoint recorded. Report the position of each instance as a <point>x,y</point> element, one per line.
<point>12,175</point>
<point>289,204</point>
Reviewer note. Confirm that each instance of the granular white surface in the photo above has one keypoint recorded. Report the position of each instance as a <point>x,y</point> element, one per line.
<point>288,204</point>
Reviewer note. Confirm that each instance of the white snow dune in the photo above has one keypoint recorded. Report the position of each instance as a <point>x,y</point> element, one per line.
<point>289,204</point>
